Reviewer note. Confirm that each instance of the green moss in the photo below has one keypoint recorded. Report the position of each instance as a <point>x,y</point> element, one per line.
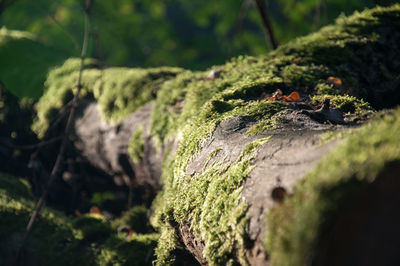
<point>269,122</point>
<point>93,227</point>
<point>199,104</point>
<point>119,91</point>
<point>211,156</point>
<point>15,187</point>
<point>326,89</point>
<point>59,240</point>
<point>348,104</point>
<point>300,76</point>
<point>99,198</point>
<point>137,251</point>
<point>294,227</point>
<point>342,50</point>
<point>333,135</point>
<point>182,99</point>
<point>53,240</point>
<point>136,218</point>
<point>189,106</point>
<point>210,204</point>
<point>136,145</point>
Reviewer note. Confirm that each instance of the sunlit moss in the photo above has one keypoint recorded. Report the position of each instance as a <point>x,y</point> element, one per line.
<point>119,91</point>
<point>211,204</point>
<point>136,145</point>
<point>348,104</point>
<point>269,122</point>
<point>211,156</point>
<point>294,227</point>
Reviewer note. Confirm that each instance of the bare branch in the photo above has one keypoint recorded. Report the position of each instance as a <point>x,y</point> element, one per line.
<point>267,23</point>
<point>64,143</point>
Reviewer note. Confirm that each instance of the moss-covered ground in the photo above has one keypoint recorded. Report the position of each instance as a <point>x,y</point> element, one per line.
<point>60,240</point>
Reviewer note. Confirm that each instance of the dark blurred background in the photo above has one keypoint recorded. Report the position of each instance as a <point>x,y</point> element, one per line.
<point>142,33</point>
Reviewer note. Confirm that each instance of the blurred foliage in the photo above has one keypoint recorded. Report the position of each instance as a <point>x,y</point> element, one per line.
<point>189,34</point>
<point>24,62</point>
<point>183,33</point>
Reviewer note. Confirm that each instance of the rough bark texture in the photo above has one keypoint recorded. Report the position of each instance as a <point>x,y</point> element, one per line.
<point>290,153</point>
<point>106,147</point>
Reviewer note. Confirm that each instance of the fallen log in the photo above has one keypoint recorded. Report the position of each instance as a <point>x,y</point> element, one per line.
<point>240,188</point>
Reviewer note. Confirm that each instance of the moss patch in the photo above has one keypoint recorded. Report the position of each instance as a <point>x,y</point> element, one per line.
<point>137,251</point>
<point>53,240</point>
<point>136,218</point>
<point>294,227</point>
<point>211,156</point>
<point>269,122</point>
<point>119,91</point>
<point>136,145</point>
<point>59,240</point>
<point>210,203</point>
<point>348,104</point>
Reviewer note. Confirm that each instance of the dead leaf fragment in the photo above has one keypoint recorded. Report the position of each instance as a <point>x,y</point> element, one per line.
<point>278,96</point>
<point>336,82</point>
<point>295,96</point>
<point>95,210</point>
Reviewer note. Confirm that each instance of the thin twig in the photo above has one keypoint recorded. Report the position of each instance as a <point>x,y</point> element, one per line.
<point>267,23</point>
<point>65,138</point>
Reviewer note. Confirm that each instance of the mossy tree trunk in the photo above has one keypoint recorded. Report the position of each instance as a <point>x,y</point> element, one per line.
<point>248,180</point>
